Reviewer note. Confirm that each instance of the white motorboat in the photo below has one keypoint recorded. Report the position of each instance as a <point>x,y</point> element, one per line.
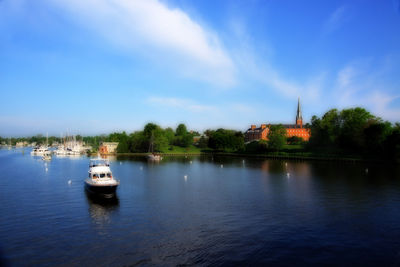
<point>40,151</point>
<point>101,181</point>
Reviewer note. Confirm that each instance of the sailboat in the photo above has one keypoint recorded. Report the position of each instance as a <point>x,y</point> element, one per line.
<point>152,156</point>
<point>47,153</point>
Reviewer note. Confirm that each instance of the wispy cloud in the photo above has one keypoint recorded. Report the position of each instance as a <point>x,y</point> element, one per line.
<point>335,20</point>
<point>162,33</point>
<point>256,68</point>
<point>359,84</point>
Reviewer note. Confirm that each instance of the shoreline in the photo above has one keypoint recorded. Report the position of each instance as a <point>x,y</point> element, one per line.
<point>266,156</point>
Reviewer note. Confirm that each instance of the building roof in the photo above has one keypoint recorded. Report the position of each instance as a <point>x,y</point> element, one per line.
<point>256,130</point>
<point>287,126</point>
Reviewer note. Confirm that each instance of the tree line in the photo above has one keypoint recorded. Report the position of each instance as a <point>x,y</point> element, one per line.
<point>355,131</point>
<point>341,132</point>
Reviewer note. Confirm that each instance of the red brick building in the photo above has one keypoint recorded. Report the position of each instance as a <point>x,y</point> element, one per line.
<point>261,133</point>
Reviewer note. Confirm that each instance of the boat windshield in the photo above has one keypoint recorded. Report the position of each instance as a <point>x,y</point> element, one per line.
<point>98,162</point>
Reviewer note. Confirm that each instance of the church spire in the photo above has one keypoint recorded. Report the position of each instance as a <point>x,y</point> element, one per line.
<point>299,117</point>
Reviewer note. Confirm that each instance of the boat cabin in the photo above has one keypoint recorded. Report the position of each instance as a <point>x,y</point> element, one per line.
<point>100,175</point>
<point>98,163</point>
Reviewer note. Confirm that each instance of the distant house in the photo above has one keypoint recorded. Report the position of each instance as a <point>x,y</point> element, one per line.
<point>261,133</point>
<point>108,147</point>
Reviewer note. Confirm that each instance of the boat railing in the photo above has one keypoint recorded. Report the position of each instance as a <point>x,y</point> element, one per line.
<point>96,163</point>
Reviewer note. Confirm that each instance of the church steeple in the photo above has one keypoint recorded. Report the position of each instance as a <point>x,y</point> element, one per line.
<point>299,117</point>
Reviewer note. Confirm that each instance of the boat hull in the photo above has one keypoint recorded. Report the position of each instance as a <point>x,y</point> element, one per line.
<point>107,191</point>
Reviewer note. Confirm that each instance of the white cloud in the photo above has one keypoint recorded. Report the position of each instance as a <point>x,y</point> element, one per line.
<point>254,69</point>
<point>335,20</point>
<point>165,34</point>
<point>357,84</point>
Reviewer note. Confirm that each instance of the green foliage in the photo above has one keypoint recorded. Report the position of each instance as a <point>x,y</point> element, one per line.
<point>138,142</point>
<point>181,130</point>
<point>276,137</point>
<point>203,142</point>
<point>260,146</point>
<point>169,134</point>
<point>154,134</point>
<point>182,136</point>
<point>353,131</point>
<point>295,140</point>
<point>226,140</point>
<point>122,139</point>
<point>375,135</point>
<point>353,121</point>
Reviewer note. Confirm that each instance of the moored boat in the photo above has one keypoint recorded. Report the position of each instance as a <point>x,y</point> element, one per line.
<point>101,181</point>
<point>154,157</point>
<point>39,151</point>
<point>47,155</point>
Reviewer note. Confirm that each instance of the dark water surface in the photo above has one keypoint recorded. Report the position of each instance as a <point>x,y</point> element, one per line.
<point>243,213</point>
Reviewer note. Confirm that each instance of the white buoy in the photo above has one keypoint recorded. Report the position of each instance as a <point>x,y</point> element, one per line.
<point>69,182</point>
<point>185,176</point>
<point>120,163</point>
<point>190,162</point>
<point>46,169</point>
<point>222,166</point>
<point>243,161</point>
<point>288,175</point>
<point>366,170</point>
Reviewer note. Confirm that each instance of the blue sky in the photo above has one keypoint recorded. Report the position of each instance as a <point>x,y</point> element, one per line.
<point>98,66</point>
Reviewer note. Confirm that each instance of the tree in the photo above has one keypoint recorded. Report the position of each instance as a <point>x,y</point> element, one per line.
<point>203,142</point>
<point>226,140</point>
<point>260,146</point>
<point>154,133</point>
<point>170,135</point>
<point>392,144</point>
<point>276,137</point>
<point>138,142</point>
<point>375,135</point>
<point>181,130</point>
<point>353,121</point>
<point>325,131</point>
<point>295,140</point>
<point>182,137</point>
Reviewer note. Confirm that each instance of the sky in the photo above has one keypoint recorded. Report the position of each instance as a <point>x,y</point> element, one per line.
<point>99,66</point>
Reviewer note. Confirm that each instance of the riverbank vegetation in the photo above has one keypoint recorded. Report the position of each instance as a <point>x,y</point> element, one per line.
<point>349,133</point>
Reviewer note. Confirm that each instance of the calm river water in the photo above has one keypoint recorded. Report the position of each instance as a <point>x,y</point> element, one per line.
<point>228,211</point>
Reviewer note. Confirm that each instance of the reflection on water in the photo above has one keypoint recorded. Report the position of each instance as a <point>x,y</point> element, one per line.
<point>101,209</point>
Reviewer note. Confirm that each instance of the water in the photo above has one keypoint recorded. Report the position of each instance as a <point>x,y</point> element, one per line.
<point>199,211</point>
